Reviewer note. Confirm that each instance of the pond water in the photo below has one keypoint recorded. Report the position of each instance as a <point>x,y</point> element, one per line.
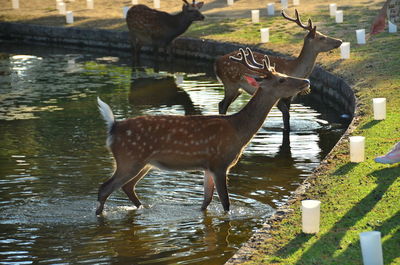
<point>53,159</point>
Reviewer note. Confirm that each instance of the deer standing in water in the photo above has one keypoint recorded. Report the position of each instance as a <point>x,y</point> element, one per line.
<point>210,143</point>
<point>155,28</point>
<point>231,73</point>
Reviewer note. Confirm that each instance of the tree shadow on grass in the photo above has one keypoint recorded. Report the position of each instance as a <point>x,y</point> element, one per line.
<point>328,243</point>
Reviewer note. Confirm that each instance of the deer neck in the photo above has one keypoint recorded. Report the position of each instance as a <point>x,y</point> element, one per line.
<point>249,120</point>
<point>304,64</point>
<point>180,23</point>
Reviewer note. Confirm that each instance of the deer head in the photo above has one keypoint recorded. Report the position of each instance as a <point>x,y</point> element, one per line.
<point>265,76</point>
<point>192,11</point>
<point>314,39</point>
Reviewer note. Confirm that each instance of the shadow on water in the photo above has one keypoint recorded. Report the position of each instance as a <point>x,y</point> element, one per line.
<point>54,159</point>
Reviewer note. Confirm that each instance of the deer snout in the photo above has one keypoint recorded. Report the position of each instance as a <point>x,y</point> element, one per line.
<point>338,43</point>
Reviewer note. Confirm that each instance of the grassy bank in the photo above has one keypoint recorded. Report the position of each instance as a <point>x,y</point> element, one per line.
<point>355,197</point>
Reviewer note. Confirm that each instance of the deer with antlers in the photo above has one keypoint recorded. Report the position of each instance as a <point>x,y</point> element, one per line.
<point>232,74</point>
<point>210,143</point>
<point>155,28</point>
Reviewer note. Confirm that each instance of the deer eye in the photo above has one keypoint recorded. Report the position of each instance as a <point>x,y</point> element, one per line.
<point>281,80</point>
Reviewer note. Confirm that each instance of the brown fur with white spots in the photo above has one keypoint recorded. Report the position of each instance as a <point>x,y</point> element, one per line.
<point>210,143</point>
<point>149,26</point>
<point>231,73</point>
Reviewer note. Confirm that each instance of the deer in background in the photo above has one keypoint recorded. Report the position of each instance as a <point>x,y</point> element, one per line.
<point>232,74</point>
<point>155,28</point>
<point>210,143</point>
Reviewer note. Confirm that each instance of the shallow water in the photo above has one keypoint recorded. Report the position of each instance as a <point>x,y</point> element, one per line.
<point>53,159</point>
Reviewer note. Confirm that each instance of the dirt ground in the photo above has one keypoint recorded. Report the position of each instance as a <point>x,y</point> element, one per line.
<point>108,14</point>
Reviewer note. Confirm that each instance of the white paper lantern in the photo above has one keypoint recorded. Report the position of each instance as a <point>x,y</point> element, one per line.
<point>157,4</point>
<point>357,148</point>
<point>332,9</point>
<point>271,9</point>
<point>15,4</point>
<point>264,35</point>
<point>379,106</point>
<point>125,10</point>
<point>360,36</point>
<point>371,248</point>
<point>69,17</point>
<point>310,216</point>
<point>90,4</point>
<point>345,50</point>
<point>284,4</point>
<point>339,16</point>
<point>392,27</point>
<point>255,16</point>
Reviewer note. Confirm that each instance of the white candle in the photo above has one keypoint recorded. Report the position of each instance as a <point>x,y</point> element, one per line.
<point>157,4</point>
<point>230,2</point>
<point>264,35</point>
<point>345,50</point>
<point>360,36</point>
<point>284,4</point>
<point>135,2</point>
<point>125,10</point>
<point>90,4</point>
<point>310,216</point>
<point>296,2</point>
<point>339,16</point>
<point>271,9</point>
<point>15,4</point>
<point>179,79</point>
<point>357,147</point>
<point>62,8</point>
<point>255,16</point>
<point>379,106</point>
<point>392,27</point>
<point>371,248</point>
<point>332,10</point>
<point>58,2</point>
<point>69,17</point>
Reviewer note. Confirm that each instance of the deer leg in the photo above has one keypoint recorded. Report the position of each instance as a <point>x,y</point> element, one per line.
<point>231,94</point>
<point>208,189</point>
<point>129,188</point>
<point>119,178</point>
<point>222,189</point>
<point>284,108</point>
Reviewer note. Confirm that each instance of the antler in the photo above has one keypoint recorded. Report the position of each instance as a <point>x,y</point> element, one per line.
<point>297,20</point>
<point>186,2</point>
<point>254,66</point>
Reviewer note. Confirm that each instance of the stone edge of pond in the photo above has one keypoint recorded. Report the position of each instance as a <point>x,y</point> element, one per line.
<point>336,93</point>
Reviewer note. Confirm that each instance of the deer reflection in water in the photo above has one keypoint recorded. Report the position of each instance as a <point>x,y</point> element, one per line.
<point>160,91</point>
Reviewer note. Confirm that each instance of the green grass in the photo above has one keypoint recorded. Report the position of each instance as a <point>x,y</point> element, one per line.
<point>355,197</point>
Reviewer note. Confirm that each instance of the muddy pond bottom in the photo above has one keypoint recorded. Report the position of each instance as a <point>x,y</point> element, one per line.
<point>53,159</point>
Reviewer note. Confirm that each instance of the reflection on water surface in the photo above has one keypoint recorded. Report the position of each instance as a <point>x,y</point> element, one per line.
<point>53,159</point>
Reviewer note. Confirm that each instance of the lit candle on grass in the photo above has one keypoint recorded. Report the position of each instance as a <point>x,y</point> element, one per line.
<point>69,17</point>
<point>284,4</point>
<point>255,16</point>
<point>62,8</point>
<point>345,50</point>
<point>392,27</point>
<point>379,106</point>
<point>271,9</point>
<point>125,10</point>
<point>332,9</point>
<point>15,4</point>
<point>360,36</point>
<point>264,35</point>
<point>371,248</point>
<point>357,148</point>
<point>90,4</point>
<point>339,16</point>
<point>310,216</point>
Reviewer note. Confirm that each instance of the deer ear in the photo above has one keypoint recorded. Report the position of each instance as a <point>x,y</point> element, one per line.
<point>199,5</point>
<point>313,32</point>
<point>252,81</point>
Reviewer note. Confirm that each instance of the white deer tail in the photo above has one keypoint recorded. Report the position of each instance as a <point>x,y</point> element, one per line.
<point>108,116</point>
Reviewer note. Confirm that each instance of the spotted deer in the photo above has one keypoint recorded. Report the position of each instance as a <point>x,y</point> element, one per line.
<point>232,74</point>
<point>155,28</point>
<point>209,143</point>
